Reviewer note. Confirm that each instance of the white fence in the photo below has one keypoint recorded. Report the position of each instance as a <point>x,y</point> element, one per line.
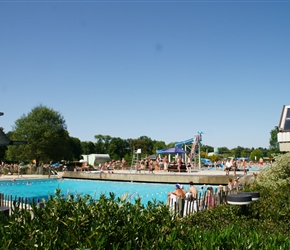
<point>205,200</point>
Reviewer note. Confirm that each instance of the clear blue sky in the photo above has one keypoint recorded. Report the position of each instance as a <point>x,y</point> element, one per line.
<point>163,69</point>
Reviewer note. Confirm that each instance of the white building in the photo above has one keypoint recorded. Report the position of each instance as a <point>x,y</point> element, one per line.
<point>95,159</point>
<point>283,135</point>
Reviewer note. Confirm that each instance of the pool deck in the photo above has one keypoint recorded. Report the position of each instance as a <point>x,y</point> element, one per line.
<point>214,177</point>
<point>27,177</point>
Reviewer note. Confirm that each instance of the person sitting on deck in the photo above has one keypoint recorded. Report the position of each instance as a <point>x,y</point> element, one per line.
<point>228,166</point>
<point>138,167</point>
<point>85,166</point>
<point>151,166</point>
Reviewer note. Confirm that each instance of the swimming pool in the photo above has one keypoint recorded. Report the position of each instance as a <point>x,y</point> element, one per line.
<point>42,188</point>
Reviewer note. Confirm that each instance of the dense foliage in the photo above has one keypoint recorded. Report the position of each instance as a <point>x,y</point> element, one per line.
<point>79,222</point>
<point>45,132</point>
<point>278,174</point>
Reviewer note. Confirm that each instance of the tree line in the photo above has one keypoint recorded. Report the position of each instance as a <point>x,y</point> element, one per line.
<point>48,140</point>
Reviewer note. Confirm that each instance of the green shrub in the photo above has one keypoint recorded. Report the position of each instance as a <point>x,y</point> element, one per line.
<point>113,223</point>
<point>277,174</point>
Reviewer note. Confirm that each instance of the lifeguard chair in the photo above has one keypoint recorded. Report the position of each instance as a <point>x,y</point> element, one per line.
<point>135,159</point>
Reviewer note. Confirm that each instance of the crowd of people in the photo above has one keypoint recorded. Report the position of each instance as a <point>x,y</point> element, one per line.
<point>10,169</point>
<point>192,193</point>
<point>232,164</point>
<point>209,198</point>
<point>162,164</point>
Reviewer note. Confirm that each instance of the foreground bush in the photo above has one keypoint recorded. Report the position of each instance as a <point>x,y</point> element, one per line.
<point>114,223</point>
<point>277,174</point>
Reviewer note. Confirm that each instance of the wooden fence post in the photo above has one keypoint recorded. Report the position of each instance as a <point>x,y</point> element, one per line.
<point>1,199</point>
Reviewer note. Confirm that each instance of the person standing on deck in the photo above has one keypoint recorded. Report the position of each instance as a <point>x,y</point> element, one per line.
<point>244,164</point>
<point>234,167</point>
<point>179,162</point>
<point>165,164</point>
<point>123,163</point>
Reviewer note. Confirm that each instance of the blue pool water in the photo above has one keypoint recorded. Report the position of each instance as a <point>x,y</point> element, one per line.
<point>42,188</point>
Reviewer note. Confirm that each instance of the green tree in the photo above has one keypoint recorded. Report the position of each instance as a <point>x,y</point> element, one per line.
<point>99,145</point>
<point>225,152</point>
<point>102,143</point>
<point>245,153</point>
<point>256,155</point>
<point>159,145</point>
<point>274,145</point>
<point>214,157</point>
<point>46,134</point>
<point>148,143</point>
<point>237,151</point>
<point>2,151</point>
<point>170,145</point>
<point>88,147</point>
<point>118,148</point>
<point>76,148</point>
<point>206,148</point>
<point>144,143</point>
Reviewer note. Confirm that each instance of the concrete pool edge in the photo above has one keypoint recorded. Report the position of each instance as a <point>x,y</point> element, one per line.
<point>205,177</point>
<point>197,177</point>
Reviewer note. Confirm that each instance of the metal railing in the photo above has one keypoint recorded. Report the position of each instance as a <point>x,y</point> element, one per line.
<point>10,203</point>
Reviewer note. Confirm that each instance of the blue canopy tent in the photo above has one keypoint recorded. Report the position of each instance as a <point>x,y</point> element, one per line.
<point>171,151</point>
